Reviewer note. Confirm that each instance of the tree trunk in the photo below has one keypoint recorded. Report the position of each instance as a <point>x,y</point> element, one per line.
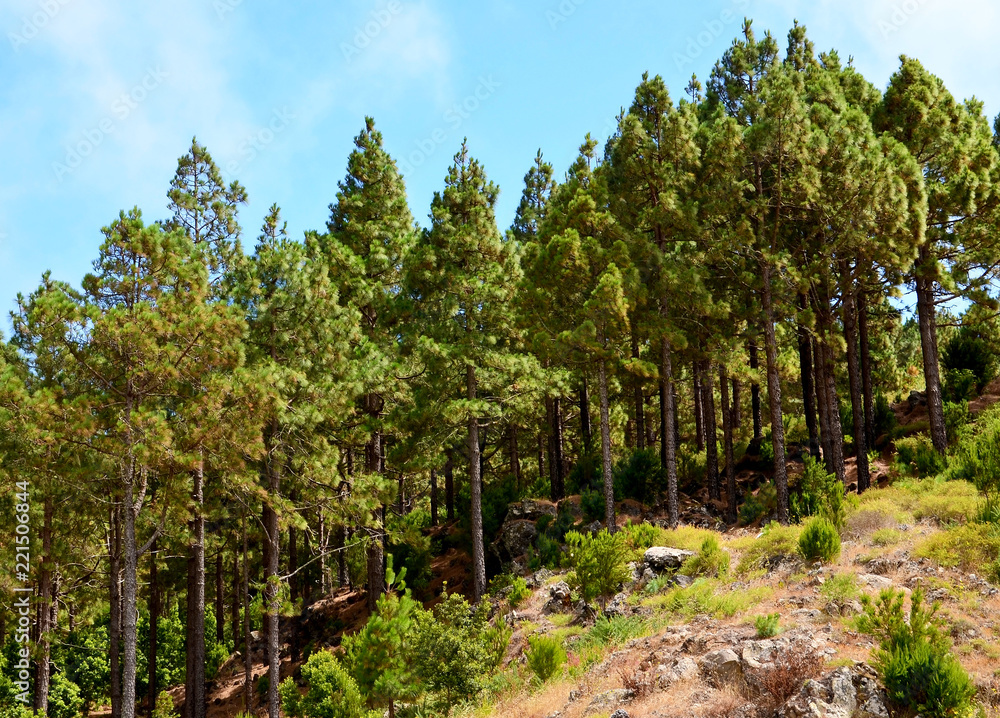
<point>830,384</point>
<point>866,366</point>
<point>668,420</point>
<point>774,396</point>
<point>194,684</point>
<point>293,563</point>
<point>130,594</point>
<point>699,409</point>
<point>449,486</point>
<point>550,448</point>
<point>585,429</point>
<point>220,601</point>
<point>44,649</point>
<point>154,615</point>
<point>758,424</point>
<point>434,498</point>
<point>727,440</point>
<point>272,588</point>
<point>711,433</point>
<point>929,349</point>
<point>806,375</point>
<point>234,604</point>
<point>822,404</point>
<point>849,319</point>
<point>638,400</point>
<point>376,555</point>
<point>476,491</point>
<point>559,488</point>
<point>515,456</point>
<point>115,617</point>
<point>609,487</point>
<point>247,659</point>
<point>737,414</point>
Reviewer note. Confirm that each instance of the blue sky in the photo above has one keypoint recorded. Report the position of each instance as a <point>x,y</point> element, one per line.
<point>98,99</point>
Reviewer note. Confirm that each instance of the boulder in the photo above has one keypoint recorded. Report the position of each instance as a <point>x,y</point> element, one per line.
<point>514,539</point>
<point>592,528</point>
<point>617,606</point>
<point>530,510</point>
<point>839,694</point>
<point>874,581</point>
<point>608,700</point>
<point>620,713</point>
<point>571,505</point>
<point>721,667</point>
<point>660,558</point>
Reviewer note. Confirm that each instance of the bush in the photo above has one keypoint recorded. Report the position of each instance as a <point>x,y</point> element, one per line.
<point>586,474</point>
<point>64,697</point>
<point>820,540</point>
<point>497,640</point>
<point>763,503</point>
<point>705,596</point>
<point>840,587</point>
<point>884,418</point>
<point>330,691</point>
<point>545,656</point>
<point>641,536</point>
<point>958,385</point>
<point>615,631</point>
<point>518,592</point>
<point>711,560</point>
<point>820,494</point>
<point>767,625</point>
<point>976,458</point>
<point>956,417</point>
<point>969,546</point>
<point>164,706</point>
<point>967,351</point>
<point>776,542</point>
<point>913,660</point>
<point>599,564</point>
<point>640,476</point>
<point>916,456</point>
<point>592,505</point>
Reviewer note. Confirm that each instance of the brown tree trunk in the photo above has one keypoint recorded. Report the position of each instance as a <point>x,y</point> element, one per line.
<point>927,321</point>
<point>476,492</point>
<point>699,408</point>
<point>609,487</point>
<point>247,658</point>
<point>154,615</point>
<point>115,617</point>
<point>130,595</point>
<point>711,433</point>
<point>449,486</point>
<point>668,420</point>
<point>758,424</point>
<point>822,404</point>
<point>515,456</point>
<point>585,429</point>
<point>44,646</point>
<point>774,396</point>
<point>806,375</point>
<point>737,413</point>
<point>866,365</point>
<point>638,400</point>
<point>849,318</point>
<point>434,498</point>
<point>194,684</point>
<point>220,601</point>
<point>559,487</point>
<point>376,554</point>
<point>234,603</point>
<point>829,380</point>
<point>727,440</point>
<point>272,588</point>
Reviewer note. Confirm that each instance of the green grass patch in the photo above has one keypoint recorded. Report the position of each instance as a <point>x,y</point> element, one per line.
<point>840,587</point>
<point>707,596</point>
<point>757,552</point>
<point>886,537</point>
<point>688,538</point>
<point>969,546</point>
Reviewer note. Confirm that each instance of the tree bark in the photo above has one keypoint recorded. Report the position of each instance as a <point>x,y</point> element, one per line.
<point>476,491</point>
<point>774,396</point>
<point>668,420</point>
<point>758,424</point>
<point>849,318</point>
<point>830,385</point>
<point>515,456</point>
<point>234,604</point>
<point>376,554</point>
<point>449,486</point>
<point>806,376</point>
<point>737,414</point>
<point>822,404</point>
<point>220,601</point>
<point>154,615</point>
<point>711,433</point>
<point>585,429</point>
<point>130,594</point>
<point>434,498</point>
<point>727,440</point>
<point>247,659</point>
<point>559,487</point>
<point>194,684</point>
<point>272,592</point>
<point>927,321</point>
<point>699,409</point>
<point>866,365</point>
<point>44,646</point>
<point>638,400</point>
<point>115,617</point>
<point>609,487</point>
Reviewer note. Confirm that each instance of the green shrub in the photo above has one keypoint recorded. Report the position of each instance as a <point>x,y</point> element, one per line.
<point>497,640</point>
<point>711,561</point>
<point>592,505</point>
<point>15,710</point>
<point>956,417</point>
<point>776,541</point>
<point>518,592</point>
<point>64,697</point>
<point>884,418</point>
<point>639,476</point>
<point>586,474</point>
<point>886,537</point>
<point>840,587</point>
<point>819,494</point>
<point>976,457</point>
<point>913,659</point>
<point>599,563</point>
<point>763,503</point>
<point>767,625</point>
<point>545,656</point>
<point>968,352</point>
<point>969,546</point>
<point>916,456</point>
<point>959,385</point>
<point>641,536</point>
<point>164,706</point>
<point>615,631</point>
<point>705,596</point>
<point>330,691</point>
<point>819,540</point>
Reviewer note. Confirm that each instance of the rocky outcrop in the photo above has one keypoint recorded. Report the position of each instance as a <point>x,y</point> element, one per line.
<point>514,539</point>
<point>663,558</point>
<point>530,510</point>
<point>721,667</point>
<point>842,693</point>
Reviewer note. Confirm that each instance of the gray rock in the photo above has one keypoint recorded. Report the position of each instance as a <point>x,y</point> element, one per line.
<point>721,667</point>
<point>608,699</point>
<point>683,581</point>
<point>593,528</point>
<point>530,510</point>
<point>839,694</point>
<point>560,591</point>
<point>807,613</point>
<point>620,713</point>
<point>617,606</point>
<point>659,558</point>
<point>684,669</point>
<point>874,581</point>
<point>514,540</point>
